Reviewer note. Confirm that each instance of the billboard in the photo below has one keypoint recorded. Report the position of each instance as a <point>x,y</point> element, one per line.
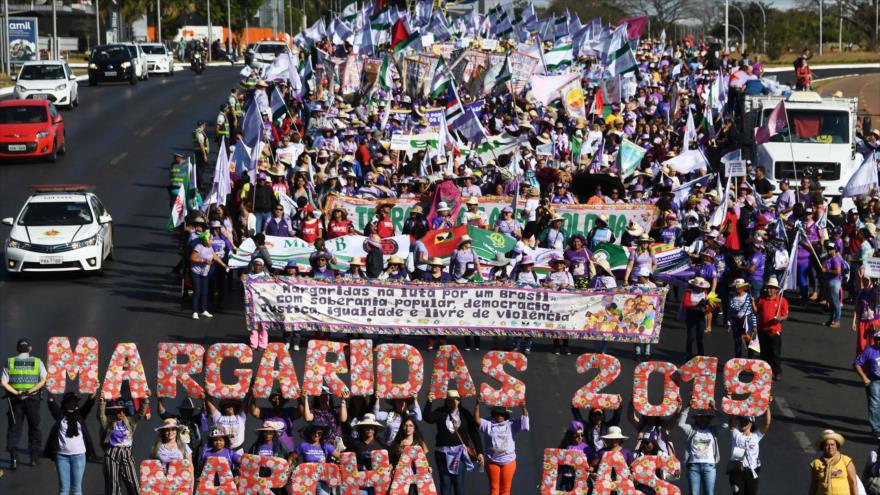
<point>22,39</point>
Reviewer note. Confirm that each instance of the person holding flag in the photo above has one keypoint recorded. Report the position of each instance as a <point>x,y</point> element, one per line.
<point>771,309</point>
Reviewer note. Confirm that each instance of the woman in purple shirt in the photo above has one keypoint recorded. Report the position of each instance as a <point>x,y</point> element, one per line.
<point>832,271</point>
<point>218,446</point>
<point>500,447</point>
<point>573,440</point>
<point>613,441</point>
<point>201,258</point>
<point>579,257</point>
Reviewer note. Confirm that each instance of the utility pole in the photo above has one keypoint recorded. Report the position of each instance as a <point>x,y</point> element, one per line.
<point>159,21</point>
<point>228,28</point>
<point>839,26</point>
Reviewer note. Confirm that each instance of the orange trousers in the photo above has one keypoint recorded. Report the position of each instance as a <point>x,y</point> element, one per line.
<point>500,477</point>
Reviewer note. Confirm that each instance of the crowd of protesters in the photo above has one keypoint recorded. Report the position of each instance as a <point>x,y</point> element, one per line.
<point>327,145</point>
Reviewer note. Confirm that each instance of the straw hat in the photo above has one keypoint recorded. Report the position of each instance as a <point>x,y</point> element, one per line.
<point>830,435</point>
<point>474,201</point>
<point>773,283</point>
<point>699,282</point>
<point>356,261</point>
<point>499,260</point>
<point>170,424</point>
<point>602,262</point>
<point>739,282</point>
<point>634,229</point>
<point>369,419</point>
<point>465,238</point>
<point>442,206</point>
<point>395,260</point>
<point>436,261</point>
<point>271,425</point>
<point>614,433</point>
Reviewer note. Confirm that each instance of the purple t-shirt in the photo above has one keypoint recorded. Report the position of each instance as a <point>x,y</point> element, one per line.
<point>833,264</point>
<point>757,260</point>
<point>310,452</point>
<point>205,253</point>
<point>579,259</point>
<point>870,358</point>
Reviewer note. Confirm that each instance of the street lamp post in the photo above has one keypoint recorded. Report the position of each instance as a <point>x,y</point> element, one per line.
<point>726,25</point>
<point>54,31</point>
<point>743,32</point>
<point>228,27</point>
<point>764,30</point>
<point>97,23</point>
<point>839,26</point>
<point>210,31</point>
<point>820,27</point>
<point>158,21</point>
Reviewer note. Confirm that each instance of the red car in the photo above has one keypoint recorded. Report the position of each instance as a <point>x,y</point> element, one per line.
<point>31,128</point>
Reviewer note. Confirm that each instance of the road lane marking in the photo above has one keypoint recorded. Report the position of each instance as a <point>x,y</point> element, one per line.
<point>804,441</point>
<point>782,405</point>
<point>165,113</point>
<point>145,131</point>
<point>118,158</point>
<point>185,98</point>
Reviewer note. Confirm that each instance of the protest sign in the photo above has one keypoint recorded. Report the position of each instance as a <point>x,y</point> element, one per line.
<point>415,142</point>
<point>735,168</point>
<point>621,315</point>
<point>351,74</point>
<point>872,267</point>
<point>344,249</point>
<point>63,363</point>
<point>522,66</point>
<point>579,219</point>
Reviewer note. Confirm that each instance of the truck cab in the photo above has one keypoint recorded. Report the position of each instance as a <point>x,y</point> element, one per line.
<point>819,141</point>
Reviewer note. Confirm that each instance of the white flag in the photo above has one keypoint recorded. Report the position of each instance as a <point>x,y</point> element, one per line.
<point>789,281</point>
<point>546,89</point>
<point>690,131</point>
<point>221,186</point>
<point>864,178</point>
<point>687,162</point>
<point>719,214</point>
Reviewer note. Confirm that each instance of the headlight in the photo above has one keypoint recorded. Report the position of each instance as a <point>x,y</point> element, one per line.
<point>61,87</point>
<point>91,241</point>
<point>93,66</point>
<point>125,65</point>
<point>42,134</point>
<point>17,244</point>
<point>20,89</point>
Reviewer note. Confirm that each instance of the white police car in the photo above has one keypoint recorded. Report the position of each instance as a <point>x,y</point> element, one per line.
<point>60,228</point>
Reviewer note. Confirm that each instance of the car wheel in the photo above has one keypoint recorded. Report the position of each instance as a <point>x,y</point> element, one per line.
<point>63,149</point>
<point>134,79</point>
<point>146,75</point>
<point>171,71</point>
<point>53,156</point>
<point>75,101</point>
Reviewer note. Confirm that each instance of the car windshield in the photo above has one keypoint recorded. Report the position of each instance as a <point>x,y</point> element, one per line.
<point>273,49</point>
<point>56,213</point>
<point>109,52</point>
<point>813,126</point>
<point>25,114</point>
<point>153,49</point>
<point>41,72</point>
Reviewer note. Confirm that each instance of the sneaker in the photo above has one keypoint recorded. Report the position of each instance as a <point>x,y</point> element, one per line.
<point>567,351</point>
<point>207,315</point>
<point>295,347</point>
<point>556,351</point>
<point>467,349</point>
<point>477,348</point>
<point>195,316</point>
<point>528,350</point>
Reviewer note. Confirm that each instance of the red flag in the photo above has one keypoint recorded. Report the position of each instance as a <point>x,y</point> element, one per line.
<point>447,192</point>
<point>635,26</point>
<point>441,243</point>
<point>398,33</point>
<point>598,103</point>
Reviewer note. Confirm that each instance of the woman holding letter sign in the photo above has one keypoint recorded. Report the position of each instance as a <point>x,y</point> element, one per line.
<point>702,450</point>
<point>500,447</point>
<point>745,461</point>
<point>457,444</point>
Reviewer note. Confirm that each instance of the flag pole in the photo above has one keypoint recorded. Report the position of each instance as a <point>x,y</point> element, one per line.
<point>790,145</point>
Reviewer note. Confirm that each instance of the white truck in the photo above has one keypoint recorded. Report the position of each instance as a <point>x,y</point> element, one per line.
<point>821,145</point>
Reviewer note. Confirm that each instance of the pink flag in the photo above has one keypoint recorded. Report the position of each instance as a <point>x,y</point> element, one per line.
<point>775,123</point>
<point>635,26</point>
<point>449,194</point>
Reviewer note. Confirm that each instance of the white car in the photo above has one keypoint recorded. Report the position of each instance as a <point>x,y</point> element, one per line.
<point>60,228</point>
<point>51,80</point>
<point>264,53</point>
<point>139,59</point>
<point>159,58</point>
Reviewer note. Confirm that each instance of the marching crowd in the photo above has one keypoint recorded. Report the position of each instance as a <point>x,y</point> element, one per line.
<point>323,146</point>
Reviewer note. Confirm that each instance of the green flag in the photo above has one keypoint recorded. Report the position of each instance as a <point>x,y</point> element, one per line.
<point>629,156</point>
<point>385,74</point>
<point>441,81</point>
<point>487,243</point>
<point>615,254</point>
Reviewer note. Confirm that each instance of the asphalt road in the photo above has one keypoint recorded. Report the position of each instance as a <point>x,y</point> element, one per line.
<point>121,140</point>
